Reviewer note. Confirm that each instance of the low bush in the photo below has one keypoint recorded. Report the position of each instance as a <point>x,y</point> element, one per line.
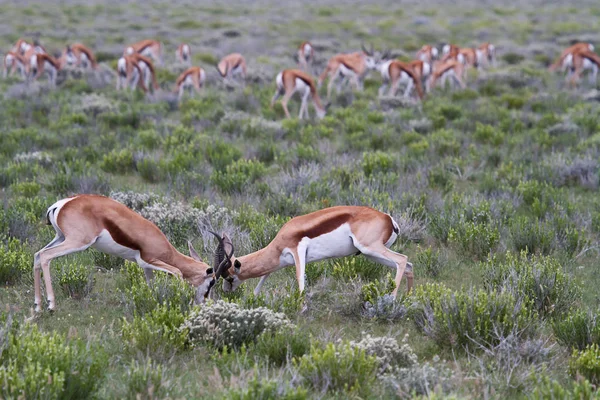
<point>281,347</point>
<point>389,354</point>
<point>266,389</point>
<point>540,279</point>
<point>578,329</point>
<point>377,162</point>
<point>469,319</point>
<point>224,324</point>
<point>551,389</point>
<point>118,162</point>
<point>238,175</point>
<point>428,380</point>
<point>531,235</point>
<point>586,363</point>
<point>145,380</point>
<point>76,280</point>
<point>15,261</point>
<point>475,239</point>
<point>338,368</point>
<point>429,261</point>
<point>350,268</point>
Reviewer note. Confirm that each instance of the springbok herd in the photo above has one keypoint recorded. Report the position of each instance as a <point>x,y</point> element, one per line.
<point>135,69</point>
<point>85,221</point>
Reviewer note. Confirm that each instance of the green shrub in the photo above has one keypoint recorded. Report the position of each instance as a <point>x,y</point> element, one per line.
<point>377,162</point>
<point>337,369</point>
<point>118,162</point>
<point>469,319</point>
<point>26,189</point>
<point>156,332</point>
<point>540,279</point>
<point>388,353</point>
<point>238,175</point>
<point>76,280</point>
<point>145,380</point>
<point>586,363</point>
<point>531,235</point>
<point>281,347</point>
<point>578,329</point>
<point>429,261</point>
<point>474,238</point>
<point>512,58</point>
<point>350,268</point>
<point>546,389</point>
<point>48,365</point>
<point>223,324</point>
<point>266,389</point>
<point>15,261</point>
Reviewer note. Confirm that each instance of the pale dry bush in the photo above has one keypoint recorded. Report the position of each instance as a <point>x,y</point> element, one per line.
<point>33,157</point>
<point>387,351</point>
<point>94,104</point>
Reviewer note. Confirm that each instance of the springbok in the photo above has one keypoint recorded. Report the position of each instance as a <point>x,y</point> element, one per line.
<point>444,70</point>
<point>583,61</point>
<point>79,55</point>
<point>486,55</point>
<point>130,74</point>
<point>290,81</point>
<point>40,63</point>
<point>192,77</point>
<point>397,72</point>
<point>329,233</point>
<point>232,66</point>
<point>85,221</point>
<point>565,60</point>
<point>149,48</point>
<point>306,55</point>
<point>427,53</point>
<point>21,46</point>
<point>148,71</point>
<point>14,62</point>
<point>183,54</point>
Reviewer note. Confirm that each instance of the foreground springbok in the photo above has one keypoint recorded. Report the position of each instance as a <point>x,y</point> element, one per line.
<point>85,221</point>
<point>192,77</point>
<point>149,48</point>
<point>290,81</point>
<point>329,233</point>
<point>232,66</point>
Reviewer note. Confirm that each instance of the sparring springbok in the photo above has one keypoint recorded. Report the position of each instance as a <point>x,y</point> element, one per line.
<point>397,72</point>
<point>306,55</point>
<point>231,66</point>
<point>329,233</point>
<point>40,63</point>
<point>583,61</point>
<point>565,60</point>
<point>78,55</point>
<point>149,48</point>
<point>130,74</point>
<point>427,53</point>
<point>85,221</point>
<point>183,54</point>
<point>148,72</point>
<point>444,70</point>
<point>290,81</point>
<point>343,67</point>
<point>192,77</point>
<point>14,62</point>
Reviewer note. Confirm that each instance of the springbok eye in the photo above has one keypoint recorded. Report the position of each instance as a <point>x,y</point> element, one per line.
<point>209,271</point>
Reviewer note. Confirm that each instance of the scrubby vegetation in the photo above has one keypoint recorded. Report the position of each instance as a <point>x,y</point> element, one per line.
<point>494,188</point>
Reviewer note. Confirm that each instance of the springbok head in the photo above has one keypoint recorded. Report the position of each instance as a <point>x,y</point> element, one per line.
<point>223,262</point>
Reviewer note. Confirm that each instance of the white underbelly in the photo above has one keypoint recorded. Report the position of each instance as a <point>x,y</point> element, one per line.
<point>336,243</point>
<point>106,244</point>
<point>345,71</point>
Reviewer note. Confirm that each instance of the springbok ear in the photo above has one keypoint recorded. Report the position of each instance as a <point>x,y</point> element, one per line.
<point>193,253</point>
<point>237,265</point>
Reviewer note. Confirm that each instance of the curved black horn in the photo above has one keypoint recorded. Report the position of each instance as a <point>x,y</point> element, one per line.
<point>364,49</point>
<point>219,252</point>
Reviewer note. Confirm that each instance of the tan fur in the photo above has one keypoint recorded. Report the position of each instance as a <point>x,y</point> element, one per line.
<point>181,56</point>
<point>195,73</point>
<point>146,60</point>
<point>153,47</point>
<point>12,62</point>
<point>578,60</point>
<point>78,49</point>
<point>230,63</point>
<point>305,60</point>
<point>440,69</point>
<point>395,70</point>
<point>356,62</point>
<point>571,50</point>
<point>426,53</point>
<point>131,65</point>
<point>288,88</point>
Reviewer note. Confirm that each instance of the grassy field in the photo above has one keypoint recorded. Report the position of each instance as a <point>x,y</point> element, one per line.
<point>495,189</point>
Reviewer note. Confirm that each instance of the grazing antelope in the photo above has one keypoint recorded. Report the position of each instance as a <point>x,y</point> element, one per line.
<point>40,63</point>
<point>397,72</point>
<point>583,61</point>
<point>14,61</point>
<point>450,48</point>
<point>149,48</point>
<point>192,77</point>
<point>329,233</point>
<point>422,70</point>
<point>427,53</point>
<point>565,60</point>
<point>344,67</point>
<point>290,81</point>
<point>147,68</point>
<point>486,55</point>
<point>231,66</point>
<point>306,55</point>
<point>86,220</point>
<point>129,73</point>
<point>183,54</point>
<point>444,70</point>
<point>79,55</point>
<point>21,47</point>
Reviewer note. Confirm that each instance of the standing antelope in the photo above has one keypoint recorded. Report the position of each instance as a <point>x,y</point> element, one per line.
<point>329,233</point>
<point>444,70</point>
<point>79,55</point>
<point>427,53</point>
<point>149,48</point>
<point>582,61</point>
<point>344,67</point>
<point>231,66</point>
<point>147,68</point>
<point>40,63</point>
<point>21,47</point>
<point>486,55</point>
<point>14,61</point>
<point>290,81</point>
<point>450,48</point>
<point>306,55</point>
<point>192,77</point>
<point>85,221</point>
<point>565,59</point>
<point>129,73</point>
<point>397,72</point>
<point>183,54</point>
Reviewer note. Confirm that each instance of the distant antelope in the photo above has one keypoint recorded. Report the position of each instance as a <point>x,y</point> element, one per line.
<point>344,67</point>
<point>486,55</point>
<point>149,48</point>
<point>232,66</point>
<point>427,53</point>
<point>192,77</point>
<point>40,63</point>
<point>290,81</point>
<point>85,221</point>
<point>183,54</point>
<point>329,233</point>
<point>398,72</point>
<point>21,47</point>
<point>79,55</point>
<point>584,61</point>
<point>444,70</point>
<point>129,74</point>
<point>565,59</point>
<point>14,62</point>
<point>148,73</point>
<point>306,55</point>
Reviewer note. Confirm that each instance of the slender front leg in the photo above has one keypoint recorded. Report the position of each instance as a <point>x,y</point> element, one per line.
<point>409,87</point>
<point>260,284</point>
